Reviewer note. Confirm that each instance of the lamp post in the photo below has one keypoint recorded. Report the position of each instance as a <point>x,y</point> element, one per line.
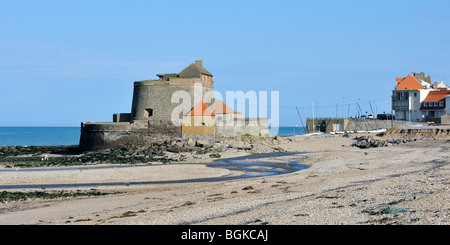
<point>343,98</point>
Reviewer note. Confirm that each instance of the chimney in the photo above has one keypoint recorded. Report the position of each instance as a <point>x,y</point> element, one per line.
<point>199,63</point>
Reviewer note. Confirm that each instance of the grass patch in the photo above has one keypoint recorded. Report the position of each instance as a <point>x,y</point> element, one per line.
<point>6,196</point>
<point>32,156</point>
<point>279,149</point>
<point>391,129</point>
<point>215,155</point>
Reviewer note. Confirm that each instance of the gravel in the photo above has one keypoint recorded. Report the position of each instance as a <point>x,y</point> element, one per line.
<point>402,184</point>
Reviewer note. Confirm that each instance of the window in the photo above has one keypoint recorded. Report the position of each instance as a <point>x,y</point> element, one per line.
<point>425,104</point>
<point>337,127</point>
<point>435,104</point>
<point>441,103</point>
<point>415,94</point>
<point>148,113</point>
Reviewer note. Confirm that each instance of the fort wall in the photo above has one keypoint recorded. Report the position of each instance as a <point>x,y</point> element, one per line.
<point>122,117</point>
<point>243,126</point>
<point>100,136</point>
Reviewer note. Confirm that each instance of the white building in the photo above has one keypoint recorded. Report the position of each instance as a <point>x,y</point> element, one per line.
<point>435,105</point>
<point>409,94</point>
<point>407,103</point>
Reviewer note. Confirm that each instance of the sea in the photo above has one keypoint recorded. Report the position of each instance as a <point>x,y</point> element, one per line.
<point>287,131</point>
<point>39,136</point>
<point>48,136</point>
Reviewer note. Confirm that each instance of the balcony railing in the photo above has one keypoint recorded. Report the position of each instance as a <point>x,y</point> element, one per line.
<point>399,98</point>
<point>400,108</point>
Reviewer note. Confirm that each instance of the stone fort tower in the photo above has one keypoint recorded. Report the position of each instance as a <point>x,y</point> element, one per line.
<point>152,98</point>
<point>151,112</point>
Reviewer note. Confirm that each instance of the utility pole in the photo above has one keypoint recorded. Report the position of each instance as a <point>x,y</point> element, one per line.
<point>317,108</point>
<point>313,117</point>
<point>336,109</point>
<point>376,122</point>
<point>343,115</point>
<point>348,112</point>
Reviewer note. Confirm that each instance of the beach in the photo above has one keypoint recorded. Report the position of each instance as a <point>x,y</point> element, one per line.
<point>405,183</point>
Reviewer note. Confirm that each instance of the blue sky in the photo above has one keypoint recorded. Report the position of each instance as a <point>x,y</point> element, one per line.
<point>64,62</point>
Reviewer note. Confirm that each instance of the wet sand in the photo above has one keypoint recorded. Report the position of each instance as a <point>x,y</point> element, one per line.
<point>402,184</point>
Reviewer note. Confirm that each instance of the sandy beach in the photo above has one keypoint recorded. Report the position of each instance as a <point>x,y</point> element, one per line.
<point>406,183</point>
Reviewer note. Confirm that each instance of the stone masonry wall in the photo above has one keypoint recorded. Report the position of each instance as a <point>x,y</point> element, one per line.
<point>372,124</point>
<point>100,136</point>
<point>244,126</point>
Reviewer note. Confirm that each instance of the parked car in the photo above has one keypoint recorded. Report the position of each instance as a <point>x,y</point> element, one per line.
<point>370,116</point>
<point>385,116</point>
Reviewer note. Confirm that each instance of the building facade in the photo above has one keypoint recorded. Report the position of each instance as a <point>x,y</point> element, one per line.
<point>435,105</point>
<point>409,94</point>
<point>199,124</point>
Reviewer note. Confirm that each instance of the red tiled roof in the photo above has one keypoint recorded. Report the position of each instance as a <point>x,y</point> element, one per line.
<point>221,108</point>
<point>201,109</point>
<point>409,83</point>
<point>435,96</point>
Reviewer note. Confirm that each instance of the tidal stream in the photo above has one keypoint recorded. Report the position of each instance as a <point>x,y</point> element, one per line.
<point>240,167</point>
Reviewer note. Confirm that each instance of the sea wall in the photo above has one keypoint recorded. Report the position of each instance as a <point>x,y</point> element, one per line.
<point>328,125</point>
<point>374,124</point>
<point>136,135</point>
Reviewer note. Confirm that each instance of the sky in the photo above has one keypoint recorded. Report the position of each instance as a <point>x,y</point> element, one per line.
<point>67,62</point>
